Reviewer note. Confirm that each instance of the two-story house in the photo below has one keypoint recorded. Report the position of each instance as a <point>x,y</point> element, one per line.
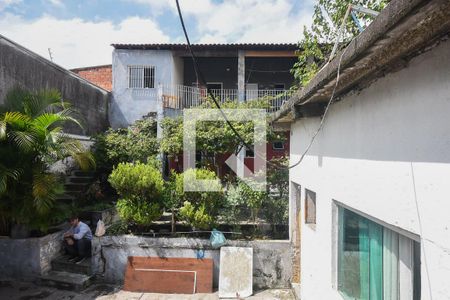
<point>161,79</point>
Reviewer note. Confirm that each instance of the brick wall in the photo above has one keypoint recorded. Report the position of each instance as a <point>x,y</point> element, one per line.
<point>98,75</point>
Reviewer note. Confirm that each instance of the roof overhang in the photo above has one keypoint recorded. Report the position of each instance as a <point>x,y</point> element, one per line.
<point>220,50</point>
<point>401,31</point>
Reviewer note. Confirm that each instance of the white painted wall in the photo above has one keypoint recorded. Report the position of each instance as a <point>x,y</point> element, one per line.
<point>380,152</point>
<point>129,105</point>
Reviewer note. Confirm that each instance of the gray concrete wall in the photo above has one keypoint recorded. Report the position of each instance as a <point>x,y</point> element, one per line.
<point>272,260</point>
<point>21,67</point>
<point>27,258</point>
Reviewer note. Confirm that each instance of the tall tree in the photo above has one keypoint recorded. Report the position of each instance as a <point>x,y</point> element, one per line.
<point>318,40</point>
<point>31,139</point>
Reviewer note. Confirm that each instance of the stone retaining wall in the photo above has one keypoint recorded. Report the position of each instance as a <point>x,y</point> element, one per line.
<point>30,257</point>
<point>272,260</point>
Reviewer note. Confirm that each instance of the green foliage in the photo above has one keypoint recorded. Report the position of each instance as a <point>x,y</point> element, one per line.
<point>278,176</point>
<point>215,137</point>
<point>173,196</point>
<point>233,204</point>
<point>196,216</point>
<point>252,199</point>
<point>318,40</point>
<point>172,137</point>
<point>140,187</point>
<point>31,139</point>
<point>138,210</point>
<point>118,228</point>
<point>136,143</point>
<point>276,205</point>
<point>139,180</point>
<point>200,208</point>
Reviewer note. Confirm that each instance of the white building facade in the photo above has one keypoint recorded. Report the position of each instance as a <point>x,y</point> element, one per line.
<point>160,78</point>
<point>369,203</point>
<point>136,77</point>
<point>375,188</point>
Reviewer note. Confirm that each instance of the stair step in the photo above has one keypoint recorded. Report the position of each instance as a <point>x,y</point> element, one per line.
<point>67,198</point>
<point>83,173</point>
<point>166,217</point>
<point>79,179</point>
<point>62,264</point>
<point>65,280</point>
<point>76,187</point>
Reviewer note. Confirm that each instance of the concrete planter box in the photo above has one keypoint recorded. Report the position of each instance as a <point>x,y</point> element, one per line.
<point>272,260</point>
<point>30,257</point>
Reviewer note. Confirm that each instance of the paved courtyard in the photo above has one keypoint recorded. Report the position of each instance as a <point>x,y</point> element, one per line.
<point>13,290</point>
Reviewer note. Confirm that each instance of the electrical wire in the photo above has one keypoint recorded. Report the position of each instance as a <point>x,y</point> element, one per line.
<point>324,114</point>
<point>203,81</point>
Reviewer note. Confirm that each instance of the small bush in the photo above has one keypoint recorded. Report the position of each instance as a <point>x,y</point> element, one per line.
<point>138,211</point>
<point>196,216</point>
<point>200,208</point>
<point>241,195</point>
<point>140,187</point>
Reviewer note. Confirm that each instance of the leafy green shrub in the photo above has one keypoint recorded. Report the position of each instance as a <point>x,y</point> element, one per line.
<point>200,208</point>
<point>31,140</point>
<point>233,204</point>
<point>276,205</point>
<point>139,180</point>
<point>196,216</point>
<point>172,198</point>
<point>136,143</point>
<point>251,198</point>
<point>140,187</point>
<point>138,211</point>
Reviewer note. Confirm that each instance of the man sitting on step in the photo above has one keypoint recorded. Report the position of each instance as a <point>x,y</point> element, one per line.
<point>77,240</point>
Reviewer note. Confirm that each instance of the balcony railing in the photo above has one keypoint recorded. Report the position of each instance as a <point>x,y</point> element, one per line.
<point>179,96</point>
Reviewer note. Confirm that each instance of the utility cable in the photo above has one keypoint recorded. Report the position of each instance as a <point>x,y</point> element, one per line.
<point>324,114</point>
<point>202,79</point>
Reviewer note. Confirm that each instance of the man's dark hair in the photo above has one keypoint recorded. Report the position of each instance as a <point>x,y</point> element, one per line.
<point>73,217</point>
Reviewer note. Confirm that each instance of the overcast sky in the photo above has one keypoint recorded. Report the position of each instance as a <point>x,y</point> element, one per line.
<point>79,32</point>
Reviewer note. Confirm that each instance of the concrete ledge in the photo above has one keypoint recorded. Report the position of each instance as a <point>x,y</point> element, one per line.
<point>30,257</point>
<point>271,259</point>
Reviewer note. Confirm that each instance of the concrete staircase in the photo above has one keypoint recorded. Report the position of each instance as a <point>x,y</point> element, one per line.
<point>68,275</point>
<point>65,274</point>
<point>76,184</point>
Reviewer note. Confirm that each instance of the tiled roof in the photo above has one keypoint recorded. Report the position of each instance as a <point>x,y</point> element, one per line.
<point>237,46</point>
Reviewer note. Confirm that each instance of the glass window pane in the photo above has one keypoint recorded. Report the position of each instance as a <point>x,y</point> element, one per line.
<point>375,261</point>
<point>360,257</point>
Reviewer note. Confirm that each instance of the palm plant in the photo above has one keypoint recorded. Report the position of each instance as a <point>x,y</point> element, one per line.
<point>31,139</point>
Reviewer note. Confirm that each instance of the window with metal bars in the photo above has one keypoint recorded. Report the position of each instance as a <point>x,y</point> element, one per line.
<point>141,77</point>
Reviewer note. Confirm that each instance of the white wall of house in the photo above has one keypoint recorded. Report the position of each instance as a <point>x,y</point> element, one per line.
<point>129,105</point>
<point>385,152</point>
